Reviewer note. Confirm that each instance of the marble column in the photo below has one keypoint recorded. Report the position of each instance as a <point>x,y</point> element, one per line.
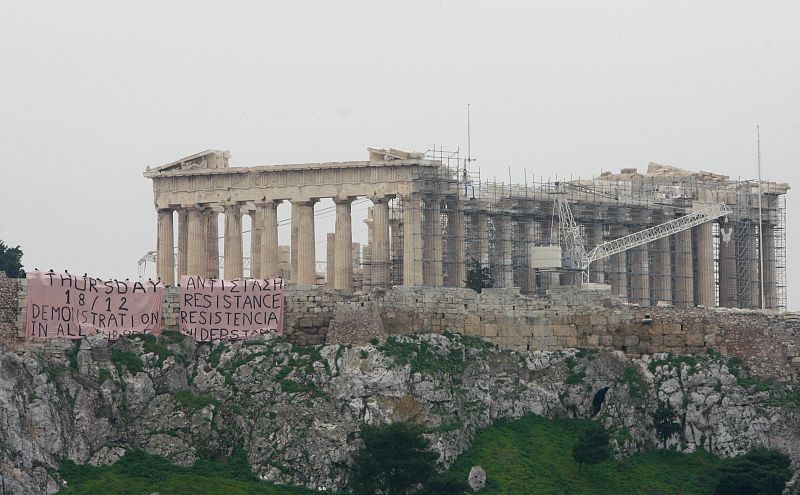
<point>412,241</point>
<point>432,243</point>
<point>456,269</point>
<point>528,228</point>
<point>295,228</point>
<point>728,287</point>
<point>506,244</point>
<point>662,278</point>
<point>482,220</point>
<point>683,287</point>
<point>597,269</point>
<point>704,252</point>
<point>618,265</point>
<point>755,279</point>
<point>343,245</point>
<point>212,236</point>
<point>770,268</point>
<point>306,252</point>
<point>640,276</point>
<point>330,260</point>
<point>270,253</point>
<point>396,251</point>
<point>549,237</point>
<point>197,243</point>
<point>205,264</point>
<point>380,242</point>
<point>233,241</point>
<point>640,271</point>
<point>366,268</point>
<point>165,259</point>
<point>183,242</point>
<point>256,225</point>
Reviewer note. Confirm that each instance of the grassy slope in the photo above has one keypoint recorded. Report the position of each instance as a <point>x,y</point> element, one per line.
<point>177,484</point>
<point>533,455</point>
<point>138,473</point>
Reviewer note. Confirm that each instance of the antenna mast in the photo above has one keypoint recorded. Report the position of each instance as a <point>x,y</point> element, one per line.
<point>469,141</point>
<point>760,219</point>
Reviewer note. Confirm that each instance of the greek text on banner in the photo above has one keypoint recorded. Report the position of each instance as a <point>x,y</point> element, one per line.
<point>230,309</point>
<point>70,306</point>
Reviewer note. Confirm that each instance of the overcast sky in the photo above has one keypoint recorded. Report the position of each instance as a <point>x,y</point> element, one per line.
<point>93,92</point>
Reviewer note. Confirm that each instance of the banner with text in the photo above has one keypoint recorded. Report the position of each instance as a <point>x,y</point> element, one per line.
<point>230,309</point>
<point>72,307</point>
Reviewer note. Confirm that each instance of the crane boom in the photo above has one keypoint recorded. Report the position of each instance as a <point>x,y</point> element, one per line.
<point>662,230</point>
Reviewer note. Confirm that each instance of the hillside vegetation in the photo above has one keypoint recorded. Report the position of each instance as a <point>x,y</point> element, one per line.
<point>532,455</point>
<point>293,415</point>
<point>140,473</point>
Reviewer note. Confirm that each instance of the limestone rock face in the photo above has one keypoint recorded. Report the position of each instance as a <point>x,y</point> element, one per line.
<point>296,411</point>
<point>477,478</point>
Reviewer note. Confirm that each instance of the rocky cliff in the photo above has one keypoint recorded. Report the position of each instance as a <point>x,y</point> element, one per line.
<point>296,411</point>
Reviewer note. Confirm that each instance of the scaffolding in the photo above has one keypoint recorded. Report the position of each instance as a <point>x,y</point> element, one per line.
<point>464,219</point>
<point>780,253</point>
<point>458,218</point>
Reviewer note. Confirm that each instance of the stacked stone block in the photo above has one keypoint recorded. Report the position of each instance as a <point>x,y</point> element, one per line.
<point>767,342</point>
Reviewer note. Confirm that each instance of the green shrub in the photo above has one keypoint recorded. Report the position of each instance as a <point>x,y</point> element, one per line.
<point>664,422</point>
<point>103,376</point>
<point>537,452</point>
<point>140,473</point>
<point>479,277</point>
<point>192,402</point>
<point>393,460</point>
<point>592,447</point>
<point>422,356</point>
<point>635,382</point>
<point>575,377</point>
<point>151,344</point>
<point>759,472</point>
<point>128,359</point>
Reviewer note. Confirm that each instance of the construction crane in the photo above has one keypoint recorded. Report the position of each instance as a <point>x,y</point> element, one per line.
<point>577,257</point>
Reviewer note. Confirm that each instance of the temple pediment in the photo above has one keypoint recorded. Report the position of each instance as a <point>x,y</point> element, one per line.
<point>209,159</point>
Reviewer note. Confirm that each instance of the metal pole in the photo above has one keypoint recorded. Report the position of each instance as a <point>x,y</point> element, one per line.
<point>760,220</point>
<point>469,139</point>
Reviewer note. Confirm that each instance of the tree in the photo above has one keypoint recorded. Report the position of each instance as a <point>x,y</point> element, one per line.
<point>394,460</point>
<point>592,447</point>
<point>664,422</point>
<point>479,277</point>
<point>11,261</point>
<point>758,472</point>
<point>445,485</point>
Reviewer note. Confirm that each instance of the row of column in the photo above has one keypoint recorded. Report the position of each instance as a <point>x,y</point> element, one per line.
<point>677,270</point>
<point>730,273</point>
<point>425,240</point>
<point>198,245</point>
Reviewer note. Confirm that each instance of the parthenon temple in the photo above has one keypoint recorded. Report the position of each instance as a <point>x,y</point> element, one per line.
<point>431,220</point>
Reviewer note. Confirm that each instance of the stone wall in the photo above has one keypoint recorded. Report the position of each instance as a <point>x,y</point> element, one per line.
<point>768,342</point>
<point>9,294</point>
<point>307,315</point>
<point>13,301</point>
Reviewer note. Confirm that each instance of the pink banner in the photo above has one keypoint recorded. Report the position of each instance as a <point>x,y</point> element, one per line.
<point>72,307</point>
<point>230,309</point>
